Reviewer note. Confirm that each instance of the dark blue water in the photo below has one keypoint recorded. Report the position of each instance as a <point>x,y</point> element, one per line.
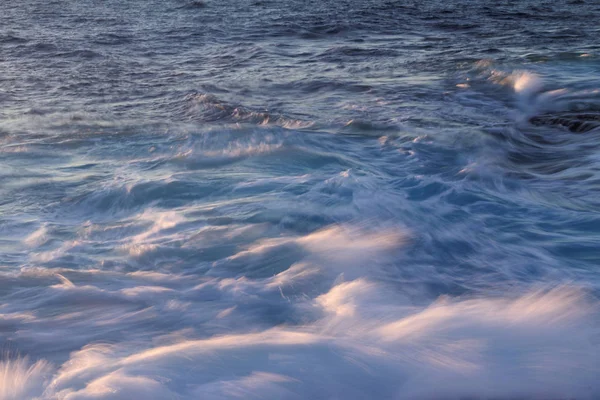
<point>299,199</point>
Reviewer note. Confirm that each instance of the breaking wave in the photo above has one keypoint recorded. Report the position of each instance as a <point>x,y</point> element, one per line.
<point>209,108</point>
<point>340,329</point>
<point>363,341</point>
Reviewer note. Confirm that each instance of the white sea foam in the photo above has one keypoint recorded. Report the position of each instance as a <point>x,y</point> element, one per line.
<point>38,237</point>
<point>353,336</point>
<point>540,345</point>
<point>21,379</point>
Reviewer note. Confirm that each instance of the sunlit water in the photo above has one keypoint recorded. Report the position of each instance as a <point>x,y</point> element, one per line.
<point>298,200</point>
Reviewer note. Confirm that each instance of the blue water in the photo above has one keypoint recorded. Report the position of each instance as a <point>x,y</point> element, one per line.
<point>299,199</point>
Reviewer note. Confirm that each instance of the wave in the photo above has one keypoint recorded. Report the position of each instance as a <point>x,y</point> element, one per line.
<point>319,320</point>
<point>208,108</point>
<point>533,94</point>
<point>365,343</point>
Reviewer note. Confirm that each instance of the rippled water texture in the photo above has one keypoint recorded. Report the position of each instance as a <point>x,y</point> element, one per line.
<point>299,199</point>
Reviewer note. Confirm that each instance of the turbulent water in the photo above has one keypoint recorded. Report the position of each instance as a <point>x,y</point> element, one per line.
<point>299,199</point>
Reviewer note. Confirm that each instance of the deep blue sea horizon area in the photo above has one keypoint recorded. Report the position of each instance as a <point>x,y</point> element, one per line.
<point>299,199</point>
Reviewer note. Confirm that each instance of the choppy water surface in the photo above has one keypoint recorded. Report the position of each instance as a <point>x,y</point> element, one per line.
<point>299,199</point>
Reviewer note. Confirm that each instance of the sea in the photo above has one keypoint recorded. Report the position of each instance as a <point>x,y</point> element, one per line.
<point>299,199</point>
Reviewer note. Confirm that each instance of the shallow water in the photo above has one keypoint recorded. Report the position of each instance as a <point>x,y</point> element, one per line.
<point>298,200</point>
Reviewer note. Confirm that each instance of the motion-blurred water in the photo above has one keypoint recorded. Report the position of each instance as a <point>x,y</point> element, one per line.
<point>298,199</point>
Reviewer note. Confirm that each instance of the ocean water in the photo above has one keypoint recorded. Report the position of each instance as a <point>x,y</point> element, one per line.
<point>299,199</point>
